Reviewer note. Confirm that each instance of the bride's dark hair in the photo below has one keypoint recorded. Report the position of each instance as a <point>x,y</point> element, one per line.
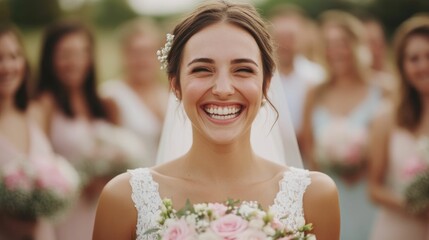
<point>244,16</point>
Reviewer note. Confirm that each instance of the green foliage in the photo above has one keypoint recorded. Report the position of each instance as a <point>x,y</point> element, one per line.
<point>33,13</point>
<point>111,13</point>
<point>390,13</point>
<point>30,205</point>
<point>417,194</point>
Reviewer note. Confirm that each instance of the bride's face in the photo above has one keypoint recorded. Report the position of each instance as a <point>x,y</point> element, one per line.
<point>221,82</point>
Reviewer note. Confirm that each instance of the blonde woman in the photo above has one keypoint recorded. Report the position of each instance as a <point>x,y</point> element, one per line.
<point>336,119</point>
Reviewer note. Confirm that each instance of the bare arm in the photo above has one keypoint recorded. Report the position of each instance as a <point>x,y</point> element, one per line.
<point>116,216</point>
<point>321,207</point>
<point>41,111</point>
<point>378,164</point>
<point>112,110</point>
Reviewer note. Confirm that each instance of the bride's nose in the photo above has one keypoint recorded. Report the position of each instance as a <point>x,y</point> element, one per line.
<point>222,86</point>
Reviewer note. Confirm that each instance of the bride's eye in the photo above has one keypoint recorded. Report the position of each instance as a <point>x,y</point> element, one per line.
<point>245,70</point>
<point>200,69</point>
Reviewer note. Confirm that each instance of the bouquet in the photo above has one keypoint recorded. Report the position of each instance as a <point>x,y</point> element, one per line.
<point>113,151</point>
<point>39,187</point>
<point>416,175</point>
<point>343,148</point>
<point>224,221</point>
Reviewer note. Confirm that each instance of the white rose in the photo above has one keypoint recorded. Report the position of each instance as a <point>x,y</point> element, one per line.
<point>256,223</point>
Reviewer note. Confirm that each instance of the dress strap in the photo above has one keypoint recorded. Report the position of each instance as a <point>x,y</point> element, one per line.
<point>147,201</point>
<point>288,204</point>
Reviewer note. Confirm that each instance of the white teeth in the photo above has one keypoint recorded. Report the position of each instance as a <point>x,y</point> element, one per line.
<point>222,113</point>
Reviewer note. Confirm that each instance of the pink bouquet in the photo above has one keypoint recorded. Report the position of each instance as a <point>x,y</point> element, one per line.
<point>228,221</point>
<point>342,147</point>
<point>113,151</point>
<point>37,187</point>
<point>416,174</point>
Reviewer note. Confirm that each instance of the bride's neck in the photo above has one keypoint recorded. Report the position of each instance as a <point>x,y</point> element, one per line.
<point>221,162</point>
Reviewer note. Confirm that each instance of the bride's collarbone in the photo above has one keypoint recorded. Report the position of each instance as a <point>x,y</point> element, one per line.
<point>181,190</point>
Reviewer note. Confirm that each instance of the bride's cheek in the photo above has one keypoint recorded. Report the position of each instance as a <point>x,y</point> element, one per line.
<point>195,88</point>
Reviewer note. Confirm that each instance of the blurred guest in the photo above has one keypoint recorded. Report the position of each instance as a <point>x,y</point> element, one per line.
<point>296,71</point>
<point>19,137</point>
<point>382,73</point>
<point>397,137</point>
<point>312,47</point>
<point>140,94</point>
<point>336,119</point>
<point>70,110</point>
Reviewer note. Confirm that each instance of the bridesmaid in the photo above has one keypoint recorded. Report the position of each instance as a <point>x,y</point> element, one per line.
<point>19,137</point>
<point>346,101</point>
<point>140,95</point>
<point>69,108</point>
<point>396,134</point>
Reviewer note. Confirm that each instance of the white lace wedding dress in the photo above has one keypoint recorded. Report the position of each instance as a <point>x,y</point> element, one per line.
<point>288,201</point>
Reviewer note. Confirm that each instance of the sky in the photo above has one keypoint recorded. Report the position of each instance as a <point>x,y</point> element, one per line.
<point>148,7</point>
<point>162,7</point>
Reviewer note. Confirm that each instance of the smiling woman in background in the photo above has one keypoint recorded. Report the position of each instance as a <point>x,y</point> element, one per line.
<point>399,138</point>
<point>70,110</point>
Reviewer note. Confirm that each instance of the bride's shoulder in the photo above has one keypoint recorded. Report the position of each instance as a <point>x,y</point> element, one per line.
<point>115,207</point>
<point>321,200</point>
<point>321,187</point>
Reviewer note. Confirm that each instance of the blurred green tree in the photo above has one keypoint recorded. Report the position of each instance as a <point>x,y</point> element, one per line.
<point>111,13</point>
<point>32,13</point>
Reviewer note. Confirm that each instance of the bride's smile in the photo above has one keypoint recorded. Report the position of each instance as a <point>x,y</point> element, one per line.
<point>223,112</point>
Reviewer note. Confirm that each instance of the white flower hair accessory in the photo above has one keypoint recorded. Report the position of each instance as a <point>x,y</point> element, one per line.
<point>163,52</point>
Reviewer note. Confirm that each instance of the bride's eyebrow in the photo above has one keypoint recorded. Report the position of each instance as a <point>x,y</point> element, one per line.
<point>203,60</point>
<point>244,60</point>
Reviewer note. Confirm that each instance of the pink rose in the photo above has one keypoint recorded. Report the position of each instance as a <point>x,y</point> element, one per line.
<point>218,209</point>
<point>49,176</point>
<point>252,234</point>
<point>414,167</point>
<point>17,179</point>
<point>179,230</point>
<point>277,224</point>
<point>229,226</point>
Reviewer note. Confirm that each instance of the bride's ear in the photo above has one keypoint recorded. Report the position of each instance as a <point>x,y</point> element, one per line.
<point>173,87</point>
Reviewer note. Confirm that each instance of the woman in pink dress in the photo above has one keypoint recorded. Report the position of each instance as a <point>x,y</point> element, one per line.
<point>19,138</point>
<point>396,135</point>
<point>70,109</point>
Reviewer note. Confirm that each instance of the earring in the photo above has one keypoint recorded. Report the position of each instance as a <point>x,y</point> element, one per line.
<point>263,102</point>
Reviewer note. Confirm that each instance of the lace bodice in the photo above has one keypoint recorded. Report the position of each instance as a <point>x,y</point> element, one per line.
<point>288,201</point>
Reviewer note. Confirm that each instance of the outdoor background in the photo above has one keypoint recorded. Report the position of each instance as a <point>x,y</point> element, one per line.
<point>31,16</point>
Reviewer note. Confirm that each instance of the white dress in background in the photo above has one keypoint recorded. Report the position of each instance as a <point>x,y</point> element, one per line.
<point>147,200</point>
<point>390,224</point>
<point>135,115</point>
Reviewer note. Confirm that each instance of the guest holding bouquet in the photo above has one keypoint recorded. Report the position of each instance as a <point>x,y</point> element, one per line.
<point>35,184</point>
<point>337,116</point>
<point>140,94</point>
<point>80,124</point>
<point>399,176</point>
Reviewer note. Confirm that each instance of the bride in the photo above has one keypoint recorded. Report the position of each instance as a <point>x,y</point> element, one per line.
<point>220,64</point>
